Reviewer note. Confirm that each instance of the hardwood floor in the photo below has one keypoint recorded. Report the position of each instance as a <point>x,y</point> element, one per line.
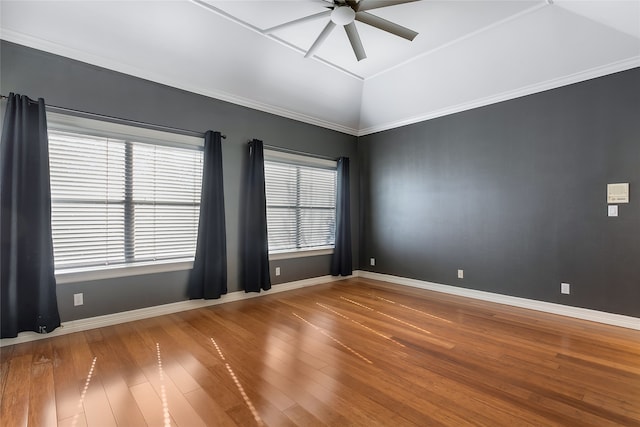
<point>356,352</point>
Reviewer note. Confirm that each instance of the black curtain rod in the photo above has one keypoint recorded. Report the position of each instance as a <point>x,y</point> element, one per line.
<point>56,109</point>
<point>301,153</point>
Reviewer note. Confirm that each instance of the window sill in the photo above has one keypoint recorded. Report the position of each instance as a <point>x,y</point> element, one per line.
<point>300,253</point>
<point>111,272</point>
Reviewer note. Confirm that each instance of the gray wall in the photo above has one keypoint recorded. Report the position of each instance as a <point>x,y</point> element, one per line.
<point>66,83</point>
<point>515,194</point>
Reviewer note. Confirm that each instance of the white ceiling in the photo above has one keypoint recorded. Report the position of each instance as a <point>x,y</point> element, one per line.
<point>467,54</point>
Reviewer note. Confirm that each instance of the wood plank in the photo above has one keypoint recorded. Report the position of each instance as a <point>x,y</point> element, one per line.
<point>300,417</point>
<point>208,409</point>
<point>171,396</point>
<point>95,403</point>
<point>121,401</point>
<point>42,405</point>
<point>78,420</point>
<point>96,406</point>
<point>5,357</point>
<point>150,405</point>
<point>14,408</point>
<point>67,388</point>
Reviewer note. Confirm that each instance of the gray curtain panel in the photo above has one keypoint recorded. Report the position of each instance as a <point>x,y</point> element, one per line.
<point>208,279</point>
<point>255,246</point>
<point>27,280</point>
<point>341,263</point>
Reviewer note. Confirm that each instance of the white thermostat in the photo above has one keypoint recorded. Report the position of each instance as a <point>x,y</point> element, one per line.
<point>618,193</point>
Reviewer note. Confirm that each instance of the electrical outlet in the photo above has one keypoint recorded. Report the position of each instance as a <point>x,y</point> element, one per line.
<point>460,274</point>
<point>78,299</point>
<point>565,288</point>
<point>277,271</point>
<point>372,261</point>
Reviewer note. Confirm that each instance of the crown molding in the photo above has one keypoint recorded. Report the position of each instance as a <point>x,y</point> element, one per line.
<point>54,48</point>
<point>110,64</point>
<point>592,73</point>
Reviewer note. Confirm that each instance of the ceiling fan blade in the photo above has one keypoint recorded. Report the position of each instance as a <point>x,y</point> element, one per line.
<point>384,25</point>
<point>376,4</point>
<point>297,21</point>
<point>354,38</point>
<point>321,38</point>
<point>353,4</point>
<point>325,3</point>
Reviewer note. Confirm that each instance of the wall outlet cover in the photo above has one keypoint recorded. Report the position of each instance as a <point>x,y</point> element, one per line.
<point>460,274</point>
<point>565,288</point>
<point>78,299</point>
<point>372,261</point>
<point>277,271</point>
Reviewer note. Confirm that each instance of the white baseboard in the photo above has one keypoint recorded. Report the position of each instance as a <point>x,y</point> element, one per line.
<point>547,307</point>
<point>159,310</point>
<point>145,313</point>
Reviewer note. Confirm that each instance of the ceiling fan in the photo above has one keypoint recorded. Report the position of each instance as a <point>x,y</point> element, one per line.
<point>344,13</point>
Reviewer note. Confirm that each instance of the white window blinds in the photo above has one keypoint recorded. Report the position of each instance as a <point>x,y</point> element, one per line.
<point>166,201</point>
<point>87,200</point>
<point>301,204</point>
<point>118,201</point>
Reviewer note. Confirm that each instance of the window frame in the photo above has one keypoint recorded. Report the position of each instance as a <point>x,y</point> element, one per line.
<point>117,130</point>
<point>300,160</point>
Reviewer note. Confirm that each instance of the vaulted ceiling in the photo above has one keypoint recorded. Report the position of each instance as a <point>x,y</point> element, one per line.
<point>467,53</point>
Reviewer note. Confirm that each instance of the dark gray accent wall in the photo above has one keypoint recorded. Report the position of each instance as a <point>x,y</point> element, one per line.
<point>71,84</point>
<point>515,194</point>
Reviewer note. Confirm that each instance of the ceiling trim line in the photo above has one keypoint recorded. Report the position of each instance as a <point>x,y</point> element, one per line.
<point>592,73</point>
<point>277,39</point>
<point>120,67</point>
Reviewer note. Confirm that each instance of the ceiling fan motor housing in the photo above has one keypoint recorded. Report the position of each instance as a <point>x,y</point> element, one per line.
<point>343,15</point>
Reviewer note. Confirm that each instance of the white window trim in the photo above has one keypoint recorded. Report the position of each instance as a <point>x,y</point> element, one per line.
<point>72,123</point>
<point>300,253</point>
<point>121,270</point>
<point>299,159</point>
<point>304,160</point>
<point>69,123</point>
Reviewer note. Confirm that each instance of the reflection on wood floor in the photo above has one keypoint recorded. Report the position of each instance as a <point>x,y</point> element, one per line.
<point>355,352</point>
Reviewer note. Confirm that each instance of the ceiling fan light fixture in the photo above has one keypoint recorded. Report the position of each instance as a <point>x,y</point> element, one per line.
<point>343,15</point>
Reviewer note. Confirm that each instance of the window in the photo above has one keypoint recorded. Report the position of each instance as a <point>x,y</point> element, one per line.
<point>120,195</point>
<point>301,202</point>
